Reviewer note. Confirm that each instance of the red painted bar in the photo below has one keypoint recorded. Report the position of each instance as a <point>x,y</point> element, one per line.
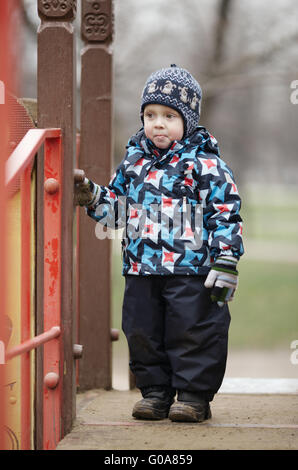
<point>33,343</point>
<point>18,165</point>
<point>53,351</point>
<point>22,155</point>
<point>4,62</point>
<point>26,306</point>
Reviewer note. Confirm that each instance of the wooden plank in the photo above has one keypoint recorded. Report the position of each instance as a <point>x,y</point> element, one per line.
<point>95,159</point>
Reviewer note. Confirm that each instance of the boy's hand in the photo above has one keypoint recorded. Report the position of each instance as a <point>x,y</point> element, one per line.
<point>223,279</point>
<point>83,195</point>
<point>79,175</point>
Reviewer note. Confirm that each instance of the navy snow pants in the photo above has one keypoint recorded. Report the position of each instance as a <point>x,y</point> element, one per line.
<point>176,336</point>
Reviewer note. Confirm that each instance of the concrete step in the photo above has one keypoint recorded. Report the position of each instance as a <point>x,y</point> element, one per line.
<point>243,421</point>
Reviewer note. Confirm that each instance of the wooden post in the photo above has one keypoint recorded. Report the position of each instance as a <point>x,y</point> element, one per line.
<point>56,108</point>
<point>95,159</point>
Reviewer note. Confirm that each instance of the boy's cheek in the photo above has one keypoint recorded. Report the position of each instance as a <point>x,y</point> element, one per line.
<point>148,132</point>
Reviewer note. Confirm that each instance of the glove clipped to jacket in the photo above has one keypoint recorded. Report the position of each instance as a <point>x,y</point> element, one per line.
<point>84,191</point>
<point>223,279</point>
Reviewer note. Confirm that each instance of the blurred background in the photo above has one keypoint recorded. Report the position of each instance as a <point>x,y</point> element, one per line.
<point>244,54</point>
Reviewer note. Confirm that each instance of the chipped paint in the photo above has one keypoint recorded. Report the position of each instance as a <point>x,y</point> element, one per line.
<point>51,251</point>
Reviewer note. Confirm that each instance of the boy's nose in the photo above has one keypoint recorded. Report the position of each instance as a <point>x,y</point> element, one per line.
<point>159,122</point>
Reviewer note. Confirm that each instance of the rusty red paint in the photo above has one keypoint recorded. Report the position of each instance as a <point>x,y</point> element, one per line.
<point>52,431</point>
<point>18,165</point>
<point>53,263</point>
<point>53,205</point>
<point>50,172</point>
<point>52,250</point>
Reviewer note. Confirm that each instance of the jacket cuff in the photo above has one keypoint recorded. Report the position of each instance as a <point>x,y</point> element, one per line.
<point>96,192</point>
<point>216,253</point>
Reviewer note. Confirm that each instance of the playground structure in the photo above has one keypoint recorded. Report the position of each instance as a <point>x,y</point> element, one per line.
<point>52,262</point>
<point>55,274</point>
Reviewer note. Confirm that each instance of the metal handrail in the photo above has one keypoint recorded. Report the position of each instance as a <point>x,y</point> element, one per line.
<point>18,168</point>
<point>33,343</point>
<point>25,151</point>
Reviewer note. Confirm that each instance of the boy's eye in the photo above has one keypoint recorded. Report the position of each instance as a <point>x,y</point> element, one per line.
<point>148,115</point>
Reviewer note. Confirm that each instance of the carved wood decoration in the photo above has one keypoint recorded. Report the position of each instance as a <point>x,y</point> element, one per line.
<point>97,20</point>
<point>95,159</point>
<point>65,9</point>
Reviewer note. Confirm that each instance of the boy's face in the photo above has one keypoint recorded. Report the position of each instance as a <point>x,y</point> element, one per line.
<point>162,125</point>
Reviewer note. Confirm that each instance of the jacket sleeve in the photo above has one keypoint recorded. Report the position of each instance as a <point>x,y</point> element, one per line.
<point>109,206</point>
<point>222,209</point>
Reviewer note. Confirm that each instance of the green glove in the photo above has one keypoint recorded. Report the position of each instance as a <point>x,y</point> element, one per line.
<point>223,279</point>
<point>83,189</point>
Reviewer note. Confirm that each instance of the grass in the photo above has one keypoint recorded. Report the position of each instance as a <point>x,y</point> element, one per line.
<point>278,224</point>
<point>271,214</point>
<point>264,311</point>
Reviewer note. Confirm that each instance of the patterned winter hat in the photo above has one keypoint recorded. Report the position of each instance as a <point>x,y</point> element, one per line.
<point>175,87</point>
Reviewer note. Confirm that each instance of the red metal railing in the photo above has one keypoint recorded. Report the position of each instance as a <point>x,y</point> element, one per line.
<point>5,60</point>
<point>33,343</point>
<point>19,166</point>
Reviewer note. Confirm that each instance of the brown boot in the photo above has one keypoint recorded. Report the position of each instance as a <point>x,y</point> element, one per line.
<point>190,408</point>
<point>155,404</point>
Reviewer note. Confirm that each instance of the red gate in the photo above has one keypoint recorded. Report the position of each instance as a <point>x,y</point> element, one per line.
<point>19,166</point>
<point>55,302</point>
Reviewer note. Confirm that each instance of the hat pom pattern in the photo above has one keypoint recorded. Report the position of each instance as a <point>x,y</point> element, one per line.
<point>175,87</point>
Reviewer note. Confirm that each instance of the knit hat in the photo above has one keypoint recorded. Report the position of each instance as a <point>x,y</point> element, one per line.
<point>175,87</point>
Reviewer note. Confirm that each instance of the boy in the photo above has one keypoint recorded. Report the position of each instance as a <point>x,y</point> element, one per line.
<point>179,206</point>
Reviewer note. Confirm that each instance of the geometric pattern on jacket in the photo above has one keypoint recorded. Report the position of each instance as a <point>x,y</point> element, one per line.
<point>179,208</point>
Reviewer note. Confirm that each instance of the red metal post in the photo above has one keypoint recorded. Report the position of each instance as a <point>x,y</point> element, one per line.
<point>26,306</point>
<point>53,351</point>
<point>19,165</point>
<point>4,59</point>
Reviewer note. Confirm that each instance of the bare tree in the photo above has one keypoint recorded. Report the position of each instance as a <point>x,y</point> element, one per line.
<point>216,57</point>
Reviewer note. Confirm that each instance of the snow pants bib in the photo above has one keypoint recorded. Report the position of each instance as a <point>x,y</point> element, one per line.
<point>176,336</point>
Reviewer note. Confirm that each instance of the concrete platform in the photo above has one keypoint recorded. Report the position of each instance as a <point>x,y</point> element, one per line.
<point>240,421</point>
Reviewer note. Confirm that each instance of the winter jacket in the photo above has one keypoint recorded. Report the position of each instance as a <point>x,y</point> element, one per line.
<point>179,207</point>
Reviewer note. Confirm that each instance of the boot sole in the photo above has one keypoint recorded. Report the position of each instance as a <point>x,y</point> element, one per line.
<point>144,412</point>
<point>186,413</point>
